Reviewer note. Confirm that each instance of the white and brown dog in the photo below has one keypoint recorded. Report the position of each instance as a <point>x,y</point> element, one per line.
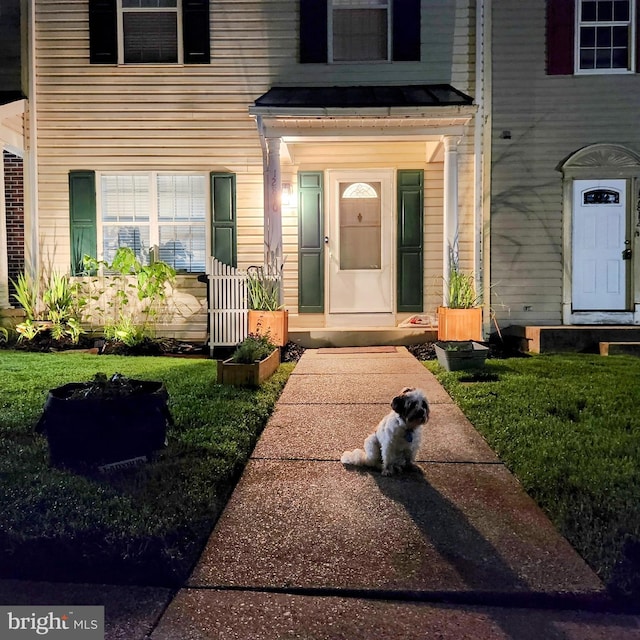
<point>394,444</point>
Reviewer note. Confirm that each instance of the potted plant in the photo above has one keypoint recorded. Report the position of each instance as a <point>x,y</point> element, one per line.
<point>266,315</point>
<point>254,360</point>
<point>456,355</point>
<point>461,319</point>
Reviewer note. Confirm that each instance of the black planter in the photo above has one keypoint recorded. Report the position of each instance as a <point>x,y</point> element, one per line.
<point>93,431</point>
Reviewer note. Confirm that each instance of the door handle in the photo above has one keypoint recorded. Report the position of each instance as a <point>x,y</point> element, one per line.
<point>326,239</point>
<point>626,254</point>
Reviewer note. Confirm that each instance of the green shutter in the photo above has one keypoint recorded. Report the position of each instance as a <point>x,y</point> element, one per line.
<point>410,240</point>
<point>82,217</point>
<point>223,218</point>
<point>310,243</point>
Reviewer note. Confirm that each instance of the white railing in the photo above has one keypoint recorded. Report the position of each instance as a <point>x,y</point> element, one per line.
<point>228,305</point>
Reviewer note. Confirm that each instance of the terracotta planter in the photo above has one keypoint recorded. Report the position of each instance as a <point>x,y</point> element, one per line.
<point>248,375</point>
<point>460,355</point>
<point>459,324</point>
<point>275,324</point>
<point>94,431</point>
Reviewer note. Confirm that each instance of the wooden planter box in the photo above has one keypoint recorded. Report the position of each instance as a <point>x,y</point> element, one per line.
<point>248,375</point>
<point>459,324</point>
<point>273,323</point>
<point>95,431</point>
<point>457,355</point>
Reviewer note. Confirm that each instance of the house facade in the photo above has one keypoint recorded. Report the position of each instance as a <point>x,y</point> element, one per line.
<point>338,136</point>
<point>565,162</point>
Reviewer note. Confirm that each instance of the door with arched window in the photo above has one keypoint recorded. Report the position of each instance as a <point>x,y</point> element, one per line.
<point>360,244</point>
<point>601,246</point>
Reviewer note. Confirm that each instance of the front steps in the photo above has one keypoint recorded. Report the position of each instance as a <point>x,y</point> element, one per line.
<point>576,338</point>
<point>361,337</point>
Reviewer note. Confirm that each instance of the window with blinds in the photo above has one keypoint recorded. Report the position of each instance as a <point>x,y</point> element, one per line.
<point>360,30</point>
<point>142,211</point>
<point>151,31</point>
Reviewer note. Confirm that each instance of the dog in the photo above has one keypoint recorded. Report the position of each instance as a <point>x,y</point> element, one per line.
<point>394,444</point>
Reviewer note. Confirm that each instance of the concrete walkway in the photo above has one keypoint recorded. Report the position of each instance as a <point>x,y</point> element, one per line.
<point>309,549</point>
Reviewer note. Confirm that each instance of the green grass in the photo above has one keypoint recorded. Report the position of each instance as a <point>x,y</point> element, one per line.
<point>145,525</point>
<point>568,426</point>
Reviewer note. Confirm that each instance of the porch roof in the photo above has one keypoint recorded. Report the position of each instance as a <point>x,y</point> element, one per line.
<point>7,97</point>
<point>433,95</point>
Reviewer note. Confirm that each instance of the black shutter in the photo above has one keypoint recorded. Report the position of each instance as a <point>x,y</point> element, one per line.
<point>195,31</point>
<point>560,37</point>
<point>224,235</point>
<point>410,240</point>
<point>637,19</point>
<point>103,32</point>
<point>82,218</point>
<point>406,30</point>
<point>313,31</point>
<point>310,242</point>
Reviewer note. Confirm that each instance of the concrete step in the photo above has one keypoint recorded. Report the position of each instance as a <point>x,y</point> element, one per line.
<point>619,348</point>
<point>315,338</point>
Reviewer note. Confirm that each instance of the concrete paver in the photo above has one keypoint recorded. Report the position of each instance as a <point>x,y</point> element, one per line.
<point>371,388</point>
<point>229,615</point>
<point>448,436</point>
<point>130,612</point>
<point>449,528</point>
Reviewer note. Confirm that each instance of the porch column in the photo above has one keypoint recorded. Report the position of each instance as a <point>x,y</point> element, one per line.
<point>273,204</point>
<point>450,222</point>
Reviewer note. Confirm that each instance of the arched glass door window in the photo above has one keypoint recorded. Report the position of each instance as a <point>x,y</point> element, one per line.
<point>601,196</point>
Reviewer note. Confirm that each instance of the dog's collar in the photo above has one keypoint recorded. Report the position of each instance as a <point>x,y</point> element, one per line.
<point>408,436</point>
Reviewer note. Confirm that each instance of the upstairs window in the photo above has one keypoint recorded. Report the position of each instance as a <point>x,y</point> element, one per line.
<point>149,32</point>
<point>604,40</point>
<point>591,37</point>
<point>359,30</point>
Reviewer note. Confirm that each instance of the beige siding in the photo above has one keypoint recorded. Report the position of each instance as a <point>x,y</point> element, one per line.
<point>549,118</point>
<point>195,117</point>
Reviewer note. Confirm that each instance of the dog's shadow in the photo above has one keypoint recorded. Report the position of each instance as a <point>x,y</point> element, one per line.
<point>444,526</point>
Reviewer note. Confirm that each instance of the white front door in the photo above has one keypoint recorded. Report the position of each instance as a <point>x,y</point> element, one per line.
<point>360,239</point>
<point>599,272</point>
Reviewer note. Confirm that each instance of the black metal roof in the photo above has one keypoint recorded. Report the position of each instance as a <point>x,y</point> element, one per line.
<point>7,97</point>
<point>429,95</point>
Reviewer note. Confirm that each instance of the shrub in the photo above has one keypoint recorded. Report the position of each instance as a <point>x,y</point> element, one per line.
<point>253,349</point>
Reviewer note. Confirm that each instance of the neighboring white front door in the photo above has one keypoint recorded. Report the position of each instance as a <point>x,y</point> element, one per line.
<point>599,272</point>
<point>360,248</point>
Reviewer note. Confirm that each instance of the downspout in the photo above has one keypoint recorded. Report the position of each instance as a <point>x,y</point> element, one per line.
<point>482,160</point>
<point>32,244</point>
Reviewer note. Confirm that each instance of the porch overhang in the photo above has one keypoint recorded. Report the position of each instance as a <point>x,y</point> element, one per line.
<point>425,112</point>
<point>13,105</point>
<point>436,116</point>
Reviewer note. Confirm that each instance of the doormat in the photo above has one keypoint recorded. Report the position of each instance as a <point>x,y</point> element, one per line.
<point>346,350</point>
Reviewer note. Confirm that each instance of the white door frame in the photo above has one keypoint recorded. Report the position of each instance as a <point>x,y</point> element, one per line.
<point>605,257</point>
<point>380,284</point>
<point>602,161</point>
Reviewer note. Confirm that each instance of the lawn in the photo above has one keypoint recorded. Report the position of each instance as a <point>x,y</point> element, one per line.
<point>145,525</point>
<point>568,426</point>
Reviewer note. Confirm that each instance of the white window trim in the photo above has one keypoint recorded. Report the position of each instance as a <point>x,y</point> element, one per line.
<point>330,37</point>
<point>632,46</point>
<point>154,226</point>
<point>180,43</point>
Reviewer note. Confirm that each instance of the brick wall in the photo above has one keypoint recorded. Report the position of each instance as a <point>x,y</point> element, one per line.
<point>14,202</point>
